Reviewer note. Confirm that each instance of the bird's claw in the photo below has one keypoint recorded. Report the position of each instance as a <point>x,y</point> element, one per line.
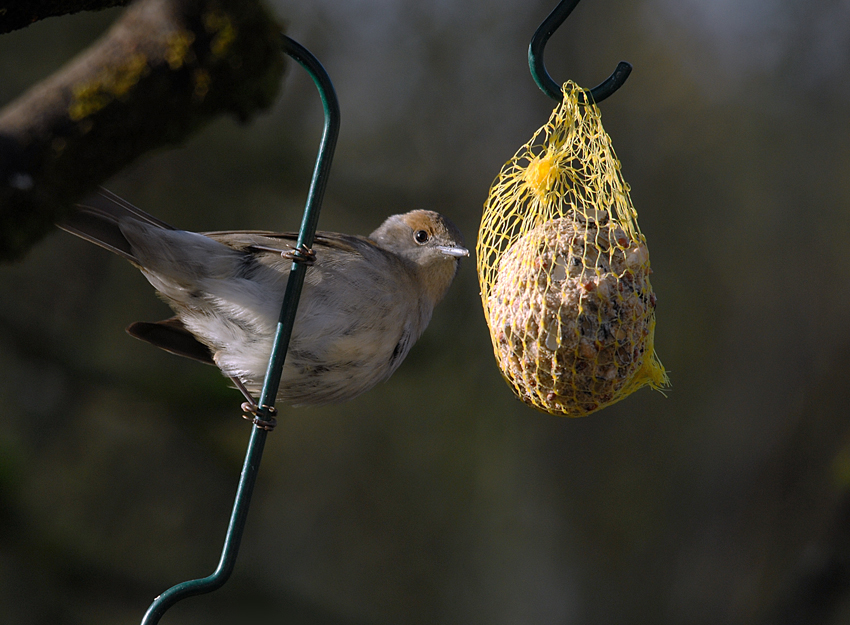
<point>302,254</point>
<point>252,414</point>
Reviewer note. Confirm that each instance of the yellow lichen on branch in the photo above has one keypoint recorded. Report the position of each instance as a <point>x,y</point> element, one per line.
<point>179,48</point>
<point>111,83</point>
<point>221,27</point>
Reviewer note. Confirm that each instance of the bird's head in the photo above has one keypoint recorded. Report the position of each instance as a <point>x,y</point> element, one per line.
<point>430,241</point>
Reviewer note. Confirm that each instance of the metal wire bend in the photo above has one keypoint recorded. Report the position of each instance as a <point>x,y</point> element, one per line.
<point>281,342</point>
<point>538,68</point>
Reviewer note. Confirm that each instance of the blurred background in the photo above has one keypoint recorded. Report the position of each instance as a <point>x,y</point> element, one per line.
<point>437,497</point>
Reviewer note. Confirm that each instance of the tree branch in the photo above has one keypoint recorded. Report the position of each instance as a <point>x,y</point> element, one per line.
<point>166,68</point>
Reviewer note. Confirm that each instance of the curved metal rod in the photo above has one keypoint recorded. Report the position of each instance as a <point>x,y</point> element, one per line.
<point>538,68</point>
<point>281,342</point>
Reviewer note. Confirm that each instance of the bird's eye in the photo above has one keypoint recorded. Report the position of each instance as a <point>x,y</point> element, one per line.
<point>421,237</point>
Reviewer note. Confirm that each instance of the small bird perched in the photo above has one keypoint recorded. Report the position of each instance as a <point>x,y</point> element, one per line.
<point>364,303</point>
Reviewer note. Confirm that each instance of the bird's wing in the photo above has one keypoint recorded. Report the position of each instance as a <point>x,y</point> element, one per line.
<point>172,336</point>
<point>268,241</point>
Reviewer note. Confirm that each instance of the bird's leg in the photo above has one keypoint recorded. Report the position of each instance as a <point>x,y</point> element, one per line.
<point>252,409</point>
<point>302,254</point>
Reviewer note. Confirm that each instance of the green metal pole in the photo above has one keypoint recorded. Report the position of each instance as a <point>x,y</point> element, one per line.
<point>538,68</point>
<point>257,441</point>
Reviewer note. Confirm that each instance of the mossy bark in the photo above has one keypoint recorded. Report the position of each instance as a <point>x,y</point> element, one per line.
<point>165,69</point>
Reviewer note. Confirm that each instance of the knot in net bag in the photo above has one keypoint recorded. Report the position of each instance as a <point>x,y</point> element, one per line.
<point>564,270</point>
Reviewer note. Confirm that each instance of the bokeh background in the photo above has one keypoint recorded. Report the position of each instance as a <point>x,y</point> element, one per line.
<point>437,497</point>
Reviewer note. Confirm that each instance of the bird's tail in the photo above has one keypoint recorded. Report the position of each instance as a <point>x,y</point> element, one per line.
<point>97,218</point>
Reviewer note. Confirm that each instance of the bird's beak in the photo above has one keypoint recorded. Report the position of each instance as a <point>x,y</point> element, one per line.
<point>457,252</point>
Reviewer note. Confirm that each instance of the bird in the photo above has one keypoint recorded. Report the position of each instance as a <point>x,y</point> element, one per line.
<point>364,303</point>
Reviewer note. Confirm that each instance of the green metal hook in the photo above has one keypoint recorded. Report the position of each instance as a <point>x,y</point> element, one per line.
<point>281,342</point>
<point>538,69</point>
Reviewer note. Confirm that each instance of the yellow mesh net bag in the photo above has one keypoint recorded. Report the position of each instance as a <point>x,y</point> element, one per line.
<point>564,270</point>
